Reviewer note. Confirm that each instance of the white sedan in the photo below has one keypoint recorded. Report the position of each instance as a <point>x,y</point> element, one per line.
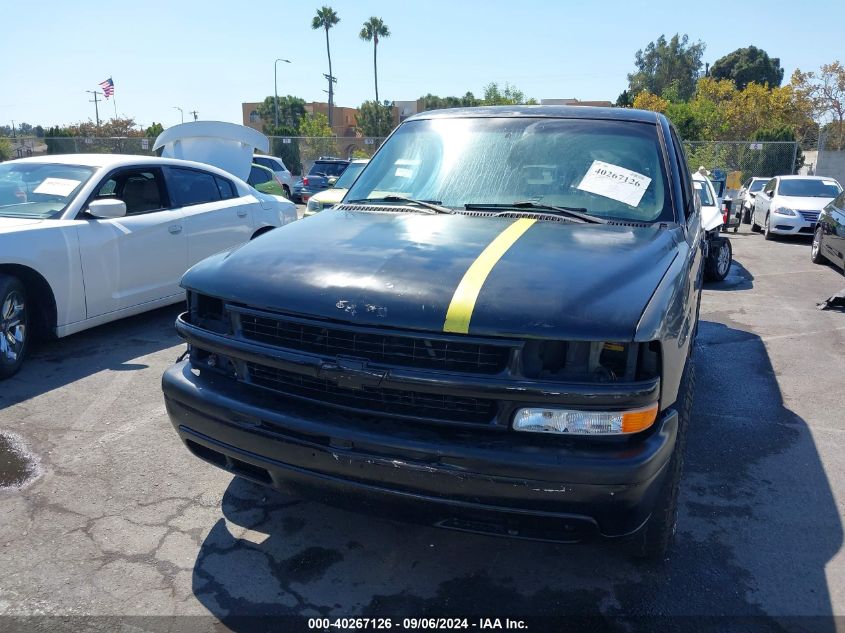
<point>86,239</point>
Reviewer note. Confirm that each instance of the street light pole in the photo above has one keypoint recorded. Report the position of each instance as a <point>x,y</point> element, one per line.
<point>276,87</point>
<point>181,112</point>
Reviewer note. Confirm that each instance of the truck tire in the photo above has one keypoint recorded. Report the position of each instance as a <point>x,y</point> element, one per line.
<point>654,540</point>
<point>14,325</point>
<point>719,258</point>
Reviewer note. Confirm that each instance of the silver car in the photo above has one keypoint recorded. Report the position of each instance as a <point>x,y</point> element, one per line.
<point>790,205</point>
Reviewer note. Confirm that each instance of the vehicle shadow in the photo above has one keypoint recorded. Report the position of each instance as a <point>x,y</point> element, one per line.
<point>757,525</point>
<point>55,363</point>
<point>738,278</point>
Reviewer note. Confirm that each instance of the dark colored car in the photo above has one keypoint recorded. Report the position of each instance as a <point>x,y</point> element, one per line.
<point>323,174</point>
<point>491,334</point>
<point>829,234</point>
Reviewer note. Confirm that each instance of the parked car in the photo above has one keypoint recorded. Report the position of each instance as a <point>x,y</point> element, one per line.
<point>277,166</point>
<point>87,239</point>
<point>746,195</point>
<point>323,174</point>
<point>265,180</point>
<point>829,236</point>
<point>328,198</point>
<point>718,253</point>
<point>790,205</point>
<point>491,333</point>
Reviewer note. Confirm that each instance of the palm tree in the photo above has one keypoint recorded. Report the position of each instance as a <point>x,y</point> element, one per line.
<point>374,28</point>
<point>326,18</point>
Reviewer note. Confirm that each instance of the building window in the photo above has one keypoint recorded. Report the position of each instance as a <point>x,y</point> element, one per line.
<point>254,117</point>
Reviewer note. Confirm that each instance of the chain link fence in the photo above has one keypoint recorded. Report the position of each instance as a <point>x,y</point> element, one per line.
<point>298,152</point>
<point>738,161</point>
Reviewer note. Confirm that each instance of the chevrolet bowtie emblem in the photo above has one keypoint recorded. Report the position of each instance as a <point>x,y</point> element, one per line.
<point>351,373</point>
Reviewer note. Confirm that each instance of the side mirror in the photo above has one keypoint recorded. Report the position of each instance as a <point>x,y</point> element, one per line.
<point>107,208</point>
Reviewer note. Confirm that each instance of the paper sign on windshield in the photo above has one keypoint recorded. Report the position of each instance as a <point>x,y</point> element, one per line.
<point>617,183</point>
<point>57,186</point>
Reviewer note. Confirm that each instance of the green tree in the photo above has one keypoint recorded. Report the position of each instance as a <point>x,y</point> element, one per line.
<point>663,64</point>
<point>826,93</point>
<point>748,64</point>
<point>318,140</point>
<point>373,29</point>
<point>433,102</point>
<point>326,18</point>
<point>5,149</point>
<point>154,130</point>
<point>375,119</point>
<point>510,95</point>
<point>291,111</point>
<point>624,100</point>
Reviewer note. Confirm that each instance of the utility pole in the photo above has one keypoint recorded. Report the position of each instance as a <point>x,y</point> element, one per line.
<point>13,129</point>
<point>181,112</point>
<point>94,101</point>
<point>276,88</point>
<point>195,113</point>
<point>332,80</point>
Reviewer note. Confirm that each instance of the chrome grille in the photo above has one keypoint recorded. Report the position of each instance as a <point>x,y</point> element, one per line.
<point>810,216</point>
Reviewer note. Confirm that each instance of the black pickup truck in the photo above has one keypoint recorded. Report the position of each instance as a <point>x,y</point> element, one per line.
<point>491,333</point>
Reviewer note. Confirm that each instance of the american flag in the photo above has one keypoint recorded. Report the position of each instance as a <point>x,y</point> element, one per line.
<point>108,87</point>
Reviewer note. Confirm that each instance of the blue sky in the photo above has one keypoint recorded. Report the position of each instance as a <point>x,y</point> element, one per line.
<point>210,55</point>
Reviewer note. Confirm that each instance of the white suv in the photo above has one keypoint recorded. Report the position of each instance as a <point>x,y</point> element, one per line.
<point>790,205</point>
<point>278,167</point>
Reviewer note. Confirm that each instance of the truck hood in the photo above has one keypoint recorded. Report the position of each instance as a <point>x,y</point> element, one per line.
<point>401,270</point>
<point>7,225</point>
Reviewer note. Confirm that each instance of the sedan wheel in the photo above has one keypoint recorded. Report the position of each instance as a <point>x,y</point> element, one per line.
<point>816,251</point>
<point>767,234</point>
<point>754,226</point>
<point>13,325</point>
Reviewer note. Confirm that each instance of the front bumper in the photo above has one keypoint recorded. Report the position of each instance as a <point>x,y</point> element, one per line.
<point>480,481</point>
<point>792,225</point>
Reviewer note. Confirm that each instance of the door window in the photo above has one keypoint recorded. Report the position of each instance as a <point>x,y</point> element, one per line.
<point>140,190</point>
<point>226,189</point>
<point>191,186</point>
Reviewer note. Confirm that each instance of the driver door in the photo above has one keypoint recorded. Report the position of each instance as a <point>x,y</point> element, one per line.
<point>136,259</point>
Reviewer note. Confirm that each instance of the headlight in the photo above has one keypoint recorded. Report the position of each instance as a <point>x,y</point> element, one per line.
<point>785,211</point>
<point>314,205</point>
<point>577,422</point>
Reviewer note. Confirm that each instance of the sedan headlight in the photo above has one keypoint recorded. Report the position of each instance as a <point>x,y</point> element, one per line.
<point>785,211</point>
<point>578,422</point>
<point>314,205</point>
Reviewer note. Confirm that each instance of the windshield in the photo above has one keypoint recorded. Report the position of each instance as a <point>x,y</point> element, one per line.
<point>39,190</point>
<point>757,185</point>
<point>809,188</point>
<point>327,169</point>
<point>703,192</point>
<point>349,175</point>
<point>612,169</point>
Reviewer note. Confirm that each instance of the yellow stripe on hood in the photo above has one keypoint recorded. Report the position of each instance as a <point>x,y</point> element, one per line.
<point>463,301</point>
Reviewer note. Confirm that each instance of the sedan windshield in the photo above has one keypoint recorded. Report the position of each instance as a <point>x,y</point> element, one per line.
<point>349,175</point>
<point>809,188</point>
<point>610,169</point>
<point>703,192</point>
<point>39,190</point>
<point>757,185</point>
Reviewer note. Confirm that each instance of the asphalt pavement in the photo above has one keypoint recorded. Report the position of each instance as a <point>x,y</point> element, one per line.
<point>118,519</point>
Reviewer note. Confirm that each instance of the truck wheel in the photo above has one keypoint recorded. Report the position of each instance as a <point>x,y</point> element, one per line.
<point>719,258</point>
<point>14,333</point>
<point>816,251</point>
<point>653,541</point>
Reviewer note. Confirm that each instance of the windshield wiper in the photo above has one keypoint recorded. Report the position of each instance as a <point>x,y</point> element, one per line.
<point>577,213</point>
<point>434,205</point>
